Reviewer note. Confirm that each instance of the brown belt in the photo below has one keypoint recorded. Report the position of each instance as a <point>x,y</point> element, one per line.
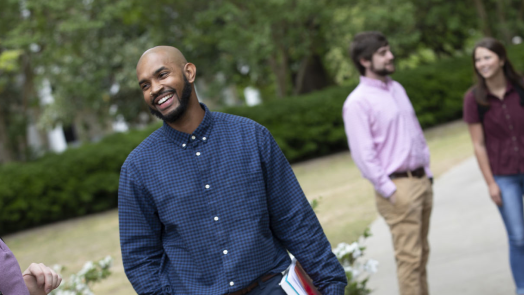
<point>419,172</point>
<point>253,285</point>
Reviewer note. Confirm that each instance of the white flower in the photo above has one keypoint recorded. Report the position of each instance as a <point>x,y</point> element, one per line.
<point>356,272</point>
<point>58,268</point>
<point>371,266</point>
<point>106,263</point>
<point>343,249</point>
<point>87,267</point>
<point>356,250</point>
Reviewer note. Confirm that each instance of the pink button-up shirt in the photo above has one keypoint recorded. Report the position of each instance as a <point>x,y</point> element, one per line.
<point>383,132</point>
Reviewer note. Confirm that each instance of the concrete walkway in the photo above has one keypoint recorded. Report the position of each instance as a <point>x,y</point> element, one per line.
<point>469,248</point>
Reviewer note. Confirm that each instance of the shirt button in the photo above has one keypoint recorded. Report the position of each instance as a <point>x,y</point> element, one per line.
<point>514,138</point>
<point>504,106</point>
<point>198,153</point>
<point>516,149</point>
<point>207,186</point>
<point>216,218</point>
<point>193,137</point>
<point>510,127</point>
<point>203,138</point>
<point>184,145</point>
<point>231,283</point>
<point>507,117</point>
<point>225,252</point>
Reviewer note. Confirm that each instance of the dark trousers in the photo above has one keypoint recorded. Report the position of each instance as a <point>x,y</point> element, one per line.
<point>269,287</point>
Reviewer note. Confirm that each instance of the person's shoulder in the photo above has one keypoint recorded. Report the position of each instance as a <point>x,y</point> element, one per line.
<point>471,107</point>
<point>235,121</point>
<point>240,128</point>
<point>469,96</point>
<point>397,85</point>
<point>356,98</point>
<point>145,147</point>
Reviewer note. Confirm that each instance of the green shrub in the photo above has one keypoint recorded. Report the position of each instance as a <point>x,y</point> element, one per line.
<point>85,180</point>
<point>311,125</point>
<point>303,126</point>
<point>55,187</point>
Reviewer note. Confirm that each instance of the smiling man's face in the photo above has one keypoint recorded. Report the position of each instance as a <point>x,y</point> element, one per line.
<point>164,86</point>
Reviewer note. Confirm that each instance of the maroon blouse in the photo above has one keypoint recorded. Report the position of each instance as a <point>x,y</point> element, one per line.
<point>11,280</point>
<point>503,126</point>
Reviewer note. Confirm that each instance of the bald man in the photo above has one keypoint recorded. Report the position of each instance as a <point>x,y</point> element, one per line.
<point>208,204</point>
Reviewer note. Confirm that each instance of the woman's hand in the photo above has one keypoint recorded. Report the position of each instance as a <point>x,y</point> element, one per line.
<point>40,279</point>
<point>494,192</point>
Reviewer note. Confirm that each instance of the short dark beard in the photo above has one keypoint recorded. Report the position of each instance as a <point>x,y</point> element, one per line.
<point>383,72</point>
<point>183,102</point>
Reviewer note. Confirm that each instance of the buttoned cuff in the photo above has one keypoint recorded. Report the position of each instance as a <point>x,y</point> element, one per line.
<point>334,289</point>
<point>387,189</point>
<point>428,172</point>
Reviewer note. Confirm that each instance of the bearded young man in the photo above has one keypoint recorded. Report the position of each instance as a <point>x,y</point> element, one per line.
<point>208,204</point>
<point>388,146</point>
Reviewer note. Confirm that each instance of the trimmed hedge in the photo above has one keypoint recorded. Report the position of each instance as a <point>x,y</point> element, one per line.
<point>85,180</point>
<point>55,187</point>
<point>311,125</point>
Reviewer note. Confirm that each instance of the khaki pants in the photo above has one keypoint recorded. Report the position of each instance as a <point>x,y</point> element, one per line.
<point>408,220</point>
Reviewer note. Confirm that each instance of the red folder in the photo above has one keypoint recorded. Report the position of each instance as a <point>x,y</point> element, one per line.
<point>306,281</point>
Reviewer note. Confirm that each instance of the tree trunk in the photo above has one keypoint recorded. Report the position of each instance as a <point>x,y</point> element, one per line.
<point>299,79</point>
<point>311,76</point>
<point>521,12</point>
<point>279,61</point>
<point>483,18</point>
<point>5,152</point>
<point>279,68</point>
<point>28,93</point>
<point>503,25</point>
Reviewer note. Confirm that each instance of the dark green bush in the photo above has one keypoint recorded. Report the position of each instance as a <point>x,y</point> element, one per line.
<point>55,187</point>
<point>85,180</point>
<point>311,125</point>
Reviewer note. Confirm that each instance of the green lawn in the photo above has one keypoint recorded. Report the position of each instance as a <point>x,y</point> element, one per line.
<point>346,209</point>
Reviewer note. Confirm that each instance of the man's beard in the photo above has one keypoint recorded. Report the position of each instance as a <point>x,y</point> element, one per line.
<point>183,102</point>
<point>382,72</point>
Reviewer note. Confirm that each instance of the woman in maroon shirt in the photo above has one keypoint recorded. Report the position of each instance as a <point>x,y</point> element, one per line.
<point>37,279</point>
<point>494,111</point>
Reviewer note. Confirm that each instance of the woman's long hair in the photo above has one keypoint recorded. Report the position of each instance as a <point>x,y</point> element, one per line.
<point>480,89</point>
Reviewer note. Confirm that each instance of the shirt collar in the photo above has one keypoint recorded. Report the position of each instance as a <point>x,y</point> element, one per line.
<point>202,133</point>
<point>375,82</point>
<point>509,89</point>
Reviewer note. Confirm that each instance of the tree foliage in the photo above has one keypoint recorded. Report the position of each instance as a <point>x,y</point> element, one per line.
<point>87,50</point>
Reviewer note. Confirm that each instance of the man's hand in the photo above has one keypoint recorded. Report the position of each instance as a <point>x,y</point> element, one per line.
<point>393,198</point>
<point>494,193</point>
<point>40,279</point>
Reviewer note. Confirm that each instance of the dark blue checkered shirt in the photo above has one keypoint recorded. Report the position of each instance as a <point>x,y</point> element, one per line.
<point>210,212</point>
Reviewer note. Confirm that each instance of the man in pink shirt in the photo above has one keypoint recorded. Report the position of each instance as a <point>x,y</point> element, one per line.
<point>389,148</point>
